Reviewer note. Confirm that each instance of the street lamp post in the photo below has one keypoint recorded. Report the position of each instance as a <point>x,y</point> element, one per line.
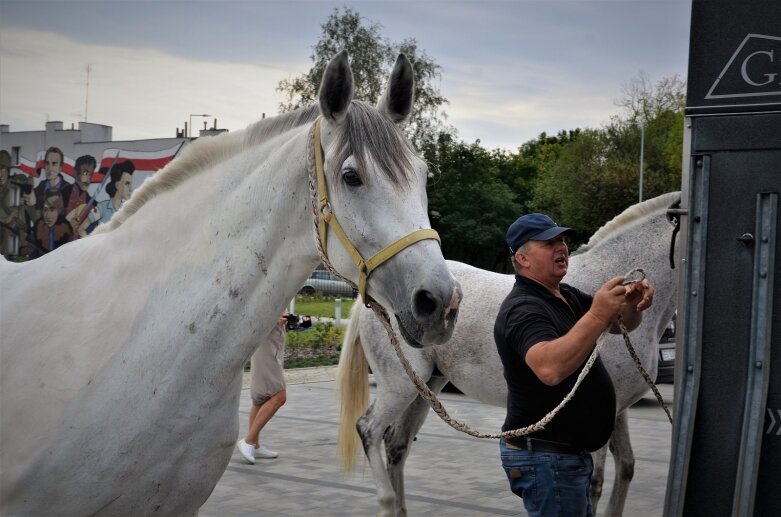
<point>190,127</point>
<point>642,152</point>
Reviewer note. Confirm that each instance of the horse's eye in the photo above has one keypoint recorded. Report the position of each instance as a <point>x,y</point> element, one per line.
<point>351,178</point>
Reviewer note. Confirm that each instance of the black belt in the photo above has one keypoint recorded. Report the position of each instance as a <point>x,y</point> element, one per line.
<point>535,444</point>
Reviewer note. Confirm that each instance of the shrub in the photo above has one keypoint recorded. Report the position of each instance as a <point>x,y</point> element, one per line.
<point>319,346</point>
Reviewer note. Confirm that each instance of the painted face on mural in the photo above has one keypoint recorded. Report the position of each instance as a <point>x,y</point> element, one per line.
<point>53,166</point>
<point>84,176</point>
<point>50,213</point>
<point>125,186</point>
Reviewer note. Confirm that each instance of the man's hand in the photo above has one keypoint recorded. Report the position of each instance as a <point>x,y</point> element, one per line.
<point>609,301</point>
<point>640,295</point>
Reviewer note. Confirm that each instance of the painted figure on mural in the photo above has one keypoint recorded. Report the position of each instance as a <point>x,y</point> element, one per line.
<point>54,180</point>
<point>119,188</point>
<point>51,230</point>
<point>79,197</point>
<point>7,210</point>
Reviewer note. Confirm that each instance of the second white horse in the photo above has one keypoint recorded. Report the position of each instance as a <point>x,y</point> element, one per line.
<point>638,237</point>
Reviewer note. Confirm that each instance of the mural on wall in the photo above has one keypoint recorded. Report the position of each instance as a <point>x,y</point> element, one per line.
<point>56,199</point>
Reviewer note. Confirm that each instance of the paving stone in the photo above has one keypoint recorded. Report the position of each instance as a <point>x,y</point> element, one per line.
<point>447,472</point>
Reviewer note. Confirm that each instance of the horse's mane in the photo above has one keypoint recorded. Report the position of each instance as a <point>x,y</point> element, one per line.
<point>367,132</point>
<point>629,217</point>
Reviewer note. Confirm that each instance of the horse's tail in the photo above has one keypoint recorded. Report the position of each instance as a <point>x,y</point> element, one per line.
<point>352,381</point>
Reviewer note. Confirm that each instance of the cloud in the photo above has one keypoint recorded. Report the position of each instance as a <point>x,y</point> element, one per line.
<point>510,70</point>
<point>142,93</point>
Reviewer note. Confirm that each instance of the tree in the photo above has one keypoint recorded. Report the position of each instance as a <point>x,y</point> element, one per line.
<point>659,108</point>
<point>372,58</point>
<point>643,101</point>
<point>470,206</point>
<point>586,185</point>
<point>367,50</point>
<point>589,178</point>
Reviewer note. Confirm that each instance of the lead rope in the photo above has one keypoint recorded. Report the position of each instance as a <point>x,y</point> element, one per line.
<point>439,409</point>
<point>639,365</point>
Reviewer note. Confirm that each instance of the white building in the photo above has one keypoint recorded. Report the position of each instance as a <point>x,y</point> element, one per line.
<point>27,147</point>
<point>89,138</point>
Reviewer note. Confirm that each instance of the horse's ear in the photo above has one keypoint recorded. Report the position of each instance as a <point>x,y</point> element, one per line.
<point>399,94</point>
<point>336,88</point>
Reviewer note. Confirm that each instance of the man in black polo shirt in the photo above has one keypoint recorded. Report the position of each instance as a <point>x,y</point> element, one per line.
<point>544,333</point>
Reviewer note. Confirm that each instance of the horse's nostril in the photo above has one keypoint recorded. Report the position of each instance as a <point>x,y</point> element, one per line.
<point>425,303</point>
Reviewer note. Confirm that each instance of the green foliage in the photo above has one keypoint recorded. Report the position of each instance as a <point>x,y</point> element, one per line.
<point>311,362</point>
<point>471,203</point>
<point>372,58</point>
<point>594,175</point>
<point>321,335</point>
<point>581,177</point>
<point>318,346</point>
<point>582,186</point>
<point>367,50</point>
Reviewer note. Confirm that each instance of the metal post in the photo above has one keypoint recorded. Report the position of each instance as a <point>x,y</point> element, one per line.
<point>642,152</point>
<point>190,127</point>
<point>338,311</point>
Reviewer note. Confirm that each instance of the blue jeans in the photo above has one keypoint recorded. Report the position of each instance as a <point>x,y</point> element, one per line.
<point>550,484</point>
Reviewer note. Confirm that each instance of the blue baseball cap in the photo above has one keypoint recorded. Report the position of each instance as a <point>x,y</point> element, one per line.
<point>533,227</point>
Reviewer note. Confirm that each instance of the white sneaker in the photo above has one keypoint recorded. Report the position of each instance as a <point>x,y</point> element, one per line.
<point>262,452</point>
<point>246,451</point>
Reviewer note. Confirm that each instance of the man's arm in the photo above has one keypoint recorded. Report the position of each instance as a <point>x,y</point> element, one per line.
<point>555,360</point>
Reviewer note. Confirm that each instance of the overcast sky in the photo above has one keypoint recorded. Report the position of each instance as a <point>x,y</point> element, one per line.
<point>511,69</point>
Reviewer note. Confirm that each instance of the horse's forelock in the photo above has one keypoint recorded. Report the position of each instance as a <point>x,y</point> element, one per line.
<point>369,134</point>
<point>627,218</point>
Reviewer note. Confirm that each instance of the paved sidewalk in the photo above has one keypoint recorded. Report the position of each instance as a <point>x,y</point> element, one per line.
<point>302,375</point>
<point>447,472</point>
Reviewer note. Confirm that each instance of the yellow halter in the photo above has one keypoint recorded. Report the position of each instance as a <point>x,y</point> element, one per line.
<point>326,217</point>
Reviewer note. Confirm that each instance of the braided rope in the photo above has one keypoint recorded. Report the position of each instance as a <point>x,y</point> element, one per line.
<point>641,369</point>
<point>430,397</point>
<point>436,405</point>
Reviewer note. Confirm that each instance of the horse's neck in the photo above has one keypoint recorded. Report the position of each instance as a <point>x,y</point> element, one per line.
<point>257,231</point>
<point>231,246</point>
<point>644,246</point>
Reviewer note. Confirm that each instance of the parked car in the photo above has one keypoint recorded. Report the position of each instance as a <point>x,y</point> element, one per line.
<point>323,282</point>
<point>664,374</point>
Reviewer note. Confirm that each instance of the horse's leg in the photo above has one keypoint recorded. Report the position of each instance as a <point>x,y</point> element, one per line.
<point>598,476</point>
<point>398,439</point>
<point>372,427</point>
<point>624,458</point>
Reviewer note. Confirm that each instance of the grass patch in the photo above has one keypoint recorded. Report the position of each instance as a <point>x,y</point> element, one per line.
<point>321,306</point>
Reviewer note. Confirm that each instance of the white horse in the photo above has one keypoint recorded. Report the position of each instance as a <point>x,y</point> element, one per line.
<point>639,237</point>
<point>122,352</point>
